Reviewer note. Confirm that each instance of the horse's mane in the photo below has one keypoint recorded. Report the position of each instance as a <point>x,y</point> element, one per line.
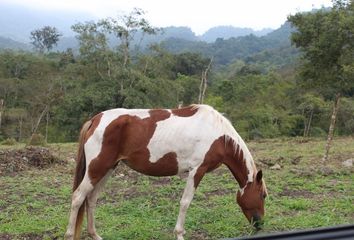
<point>224,125</point>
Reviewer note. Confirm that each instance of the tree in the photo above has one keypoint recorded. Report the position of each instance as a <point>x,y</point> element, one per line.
<point>326,39</point>
<point>310,105</point>
<point>45,39</point>
<point>125,27</point>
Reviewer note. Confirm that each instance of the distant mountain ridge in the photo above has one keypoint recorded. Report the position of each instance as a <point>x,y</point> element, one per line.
<point>8,43</point>
<point>227,32</point>
<point>16,23</point>
<point>225,43</point>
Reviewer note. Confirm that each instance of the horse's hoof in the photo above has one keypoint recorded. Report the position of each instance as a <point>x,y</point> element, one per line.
<point>95,236</point>
<point>69,236</point>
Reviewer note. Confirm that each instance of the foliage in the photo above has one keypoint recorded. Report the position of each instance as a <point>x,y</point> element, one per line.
<point>37,140</point>
<point>326,37</point>
<point>45,39</point>
<point>9,141</point>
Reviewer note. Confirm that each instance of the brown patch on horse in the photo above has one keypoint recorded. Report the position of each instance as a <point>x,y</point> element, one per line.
<point>222,151</point>
<point>126,138</point>
<point>213,159</point>
<point>165,166</point>
<point>94,123</point>
<point>185,112</point>
<point>159,114</point>
<point>233,159</point>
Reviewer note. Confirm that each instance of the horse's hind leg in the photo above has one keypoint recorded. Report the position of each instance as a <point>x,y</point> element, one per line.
<point>78,198</point>
<point>91,205</point>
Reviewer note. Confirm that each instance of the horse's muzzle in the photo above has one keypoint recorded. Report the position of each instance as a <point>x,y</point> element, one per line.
<point>257,222</point>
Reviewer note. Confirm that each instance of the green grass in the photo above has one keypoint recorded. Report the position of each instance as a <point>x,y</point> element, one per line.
<point>35,204</point>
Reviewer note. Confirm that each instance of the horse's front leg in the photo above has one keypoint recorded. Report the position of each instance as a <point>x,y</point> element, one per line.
<point>91,205</point>
<point>193,180</point>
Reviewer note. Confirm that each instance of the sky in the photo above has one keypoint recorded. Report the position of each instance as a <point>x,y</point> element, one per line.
<point>199,15</point>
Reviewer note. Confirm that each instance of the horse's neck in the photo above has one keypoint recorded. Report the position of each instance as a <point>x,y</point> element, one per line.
<point>234,160</point>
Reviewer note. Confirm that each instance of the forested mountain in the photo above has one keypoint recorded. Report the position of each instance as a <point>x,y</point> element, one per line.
<point>17,22</point>
<point>274,47</point>
<point>7,43</point>
<point>227,32</point>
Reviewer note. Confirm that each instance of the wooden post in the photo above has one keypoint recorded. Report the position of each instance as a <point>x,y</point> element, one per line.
<point>331,127</point>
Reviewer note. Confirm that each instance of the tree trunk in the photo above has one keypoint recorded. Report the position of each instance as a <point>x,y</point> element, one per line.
<point>305,122</point>
<point>331,127</point>
<point>1,109</point>
<point>307,128</point>
<point>35,128</point>
<point>20,123</point>
<point>203,83</point>
<point>46,128</point>
<point>126,53</point>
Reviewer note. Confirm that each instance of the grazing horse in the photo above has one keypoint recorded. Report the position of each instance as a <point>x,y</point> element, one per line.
<point>162,142</point>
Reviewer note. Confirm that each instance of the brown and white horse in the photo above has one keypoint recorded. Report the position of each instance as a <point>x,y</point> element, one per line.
<point>162,142</point>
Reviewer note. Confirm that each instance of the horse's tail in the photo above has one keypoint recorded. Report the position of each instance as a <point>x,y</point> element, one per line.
<point>79,175</point>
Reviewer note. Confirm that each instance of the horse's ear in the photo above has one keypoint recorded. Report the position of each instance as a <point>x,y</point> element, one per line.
<point>259,176</point>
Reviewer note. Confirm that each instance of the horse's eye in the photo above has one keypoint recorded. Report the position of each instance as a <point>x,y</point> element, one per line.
<point>264,195</point>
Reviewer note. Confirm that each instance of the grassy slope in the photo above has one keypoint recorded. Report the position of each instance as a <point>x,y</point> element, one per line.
<point>35,204</point>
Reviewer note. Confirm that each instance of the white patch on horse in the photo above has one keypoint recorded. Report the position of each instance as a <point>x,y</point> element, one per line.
<point>191,137</point>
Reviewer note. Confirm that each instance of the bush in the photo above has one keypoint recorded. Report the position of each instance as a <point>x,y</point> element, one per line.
<point>37,140</point>
<point>317,132</point>
<point>9,141</point>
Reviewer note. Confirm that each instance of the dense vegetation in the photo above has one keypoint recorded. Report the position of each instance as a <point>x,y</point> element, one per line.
<point>255,81</point>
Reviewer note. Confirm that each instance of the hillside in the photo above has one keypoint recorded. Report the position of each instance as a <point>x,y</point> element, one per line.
<point>7,43</point>
<point>225,43</point>
<point>227,32</point>
<point>17,22</point>
<point>273,46</point>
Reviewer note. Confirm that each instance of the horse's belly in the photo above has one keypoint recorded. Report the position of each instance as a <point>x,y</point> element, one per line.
<point>139,161</point>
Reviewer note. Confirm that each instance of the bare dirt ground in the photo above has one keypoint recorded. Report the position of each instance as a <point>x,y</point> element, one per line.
<point>16,160</point>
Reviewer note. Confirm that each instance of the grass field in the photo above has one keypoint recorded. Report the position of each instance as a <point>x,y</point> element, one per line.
<point>34,204</point>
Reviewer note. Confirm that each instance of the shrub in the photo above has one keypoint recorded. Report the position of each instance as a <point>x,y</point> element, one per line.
<point>37,140</point>
<point>9,141</point>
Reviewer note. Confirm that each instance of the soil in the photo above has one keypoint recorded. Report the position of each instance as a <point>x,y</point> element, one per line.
<point>296,193</point>
<point>17,160</point>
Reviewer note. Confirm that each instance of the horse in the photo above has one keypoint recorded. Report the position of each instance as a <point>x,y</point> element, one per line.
<point>162,142</point>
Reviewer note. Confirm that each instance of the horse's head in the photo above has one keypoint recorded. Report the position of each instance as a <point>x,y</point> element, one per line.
<point>251,200</point>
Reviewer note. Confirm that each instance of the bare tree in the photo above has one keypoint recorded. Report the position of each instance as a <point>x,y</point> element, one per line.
<point>204,83</point>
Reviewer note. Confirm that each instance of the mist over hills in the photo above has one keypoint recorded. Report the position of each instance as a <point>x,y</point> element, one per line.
<point>16,23</point>
<point>225,43</point>
<point>227,32</point>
